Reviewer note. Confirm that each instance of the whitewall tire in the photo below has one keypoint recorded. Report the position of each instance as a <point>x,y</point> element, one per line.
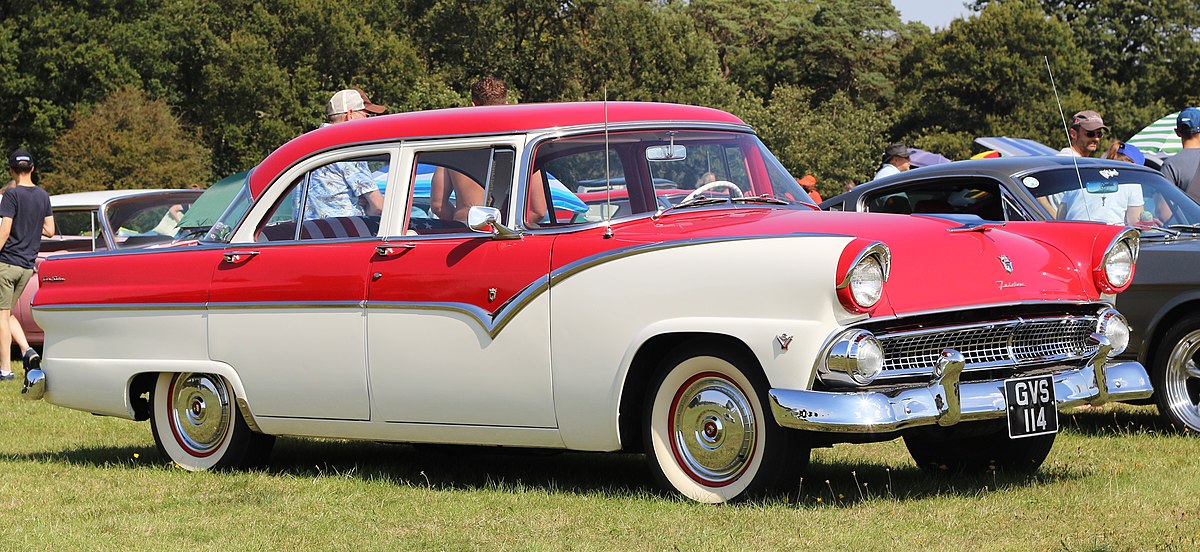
<point>707,434</point>
<point>197,426</point>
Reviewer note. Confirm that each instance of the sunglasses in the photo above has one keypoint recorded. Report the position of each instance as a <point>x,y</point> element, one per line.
<point>1093,133</point>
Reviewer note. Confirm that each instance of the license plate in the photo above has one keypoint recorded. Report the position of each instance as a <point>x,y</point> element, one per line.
<point>1031,406</point>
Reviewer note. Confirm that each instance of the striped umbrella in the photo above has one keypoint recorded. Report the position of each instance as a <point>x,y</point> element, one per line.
<point>1159,137</point>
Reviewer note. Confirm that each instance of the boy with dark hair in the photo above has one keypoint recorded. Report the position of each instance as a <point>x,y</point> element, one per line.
<point>1181,168</point>
<point>489,91</point>
<point>25,216</point>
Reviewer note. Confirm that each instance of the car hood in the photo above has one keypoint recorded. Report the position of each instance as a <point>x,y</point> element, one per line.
<point>937,264</point>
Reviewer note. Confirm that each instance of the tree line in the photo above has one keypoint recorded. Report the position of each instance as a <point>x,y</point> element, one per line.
<point>113,94</point>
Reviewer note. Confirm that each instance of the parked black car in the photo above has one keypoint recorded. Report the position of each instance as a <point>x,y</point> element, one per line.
<point>1162,305</point>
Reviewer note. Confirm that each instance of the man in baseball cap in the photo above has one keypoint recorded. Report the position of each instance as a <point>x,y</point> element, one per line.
<point>351,104</point>
<point>895,160</point>
<point>1087,128</point>
<point>1182,167</point>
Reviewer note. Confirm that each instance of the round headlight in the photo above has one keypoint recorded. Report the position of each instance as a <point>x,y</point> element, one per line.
<point>1118,264</point>
<point>856,358</point>
<point>1113,326</point>
<point>866,282</point>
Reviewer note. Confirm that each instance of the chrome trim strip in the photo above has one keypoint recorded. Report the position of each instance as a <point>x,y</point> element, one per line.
<point>886,411</point>
<point>120,307</point>
<point>961,308</point>
<point>272,305</point>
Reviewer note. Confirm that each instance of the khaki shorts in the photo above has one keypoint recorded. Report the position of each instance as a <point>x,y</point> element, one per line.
<point>12,283</point>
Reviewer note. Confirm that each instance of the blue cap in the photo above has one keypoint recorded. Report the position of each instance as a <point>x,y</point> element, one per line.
<point>1133,153</point>
<point>1189,119</point>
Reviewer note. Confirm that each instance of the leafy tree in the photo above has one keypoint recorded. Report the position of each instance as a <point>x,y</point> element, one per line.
<point>838,142</point>
<point>987,76</point>
<point>127,141</point>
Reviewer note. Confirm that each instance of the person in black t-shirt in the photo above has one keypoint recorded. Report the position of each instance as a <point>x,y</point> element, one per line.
<point>25,216</point>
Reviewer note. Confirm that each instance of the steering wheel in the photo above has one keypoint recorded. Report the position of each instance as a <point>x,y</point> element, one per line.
<point>734,190</point>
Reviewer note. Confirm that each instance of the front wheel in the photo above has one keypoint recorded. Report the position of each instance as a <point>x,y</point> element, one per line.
<point>945,450</point>
<point>197,426</point>
<point>1176,377</point>
<point>707,435</point>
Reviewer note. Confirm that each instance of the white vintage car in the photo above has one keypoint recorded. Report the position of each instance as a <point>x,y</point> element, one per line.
<point>723,333</point>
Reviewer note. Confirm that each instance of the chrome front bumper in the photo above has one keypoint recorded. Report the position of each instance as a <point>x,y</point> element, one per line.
<point>945,401</point>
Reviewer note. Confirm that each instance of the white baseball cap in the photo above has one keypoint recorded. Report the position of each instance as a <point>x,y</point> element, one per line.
<point>351,99</point>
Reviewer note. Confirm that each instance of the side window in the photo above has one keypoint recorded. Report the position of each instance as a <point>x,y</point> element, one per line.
<point>342,199</point>
<point>446,184</point>
<point>582,184</point>
<point>76,231</point>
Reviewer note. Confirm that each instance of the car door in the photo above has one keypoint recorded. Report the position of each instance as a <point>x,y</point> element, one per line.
<point>457,320</point>
<point>286,305</point>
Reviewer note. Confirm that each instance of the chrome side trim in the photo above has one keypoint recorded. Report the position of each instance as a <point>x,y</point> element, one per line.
<point>120,307</point>
<point>271,305</point>
<point>244,409</point>
<point>1095,383</point>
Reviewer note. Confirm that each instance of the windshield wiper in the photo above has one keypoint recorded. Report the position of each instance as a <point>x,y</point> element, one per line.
<point>1181,228</point>
<point>702,200</point>
<point>760,199</point>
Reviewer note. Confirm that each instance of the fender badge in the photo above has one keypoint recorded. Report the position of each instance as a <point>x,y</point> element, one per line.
<point>1006,263</point>
<point>1007,285</point>
<point>784,340</point>
<point>54,279</point>
<point>492,294</point>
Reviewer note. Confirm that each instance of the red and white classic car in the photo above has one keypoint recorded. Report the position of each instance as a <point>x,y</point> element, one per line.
<point>724,336</point>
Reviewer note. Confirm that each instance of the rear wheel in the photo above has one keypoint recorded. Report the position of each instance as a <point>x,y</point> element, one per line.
<point>953,451</point>
<point>707,434</point>
<point>197,426</point>
<point>1176,377</point>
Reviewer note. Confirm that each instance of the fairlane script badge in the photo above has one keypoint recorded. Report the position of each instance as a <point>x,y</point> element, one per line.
<point>54,279</point>
<point>1007,264</point>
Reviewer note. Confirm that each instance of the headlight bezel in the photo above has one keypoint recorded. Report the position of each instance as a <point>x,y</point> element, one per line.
<point>869,268</point>
<point>1124,244</point>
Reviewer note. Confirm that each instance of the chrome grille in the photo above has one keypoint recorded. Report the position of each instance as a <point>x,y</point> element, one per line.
<point>990,345</point>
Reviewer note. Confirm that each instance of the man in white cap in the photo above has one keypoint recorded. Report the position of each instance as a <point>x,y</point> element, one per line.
<point>1087,128</point>
<point>345,189</point>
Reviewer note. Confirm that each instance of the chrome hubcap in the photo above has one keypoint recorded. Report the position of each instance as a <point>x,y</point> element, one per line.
<point>200,412</point>
<point>713,430</point>
<point>1181,384</point>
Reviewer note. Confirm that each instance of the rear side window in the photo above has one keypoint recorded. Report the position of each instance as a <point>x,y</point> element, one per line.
<point>981,198</point>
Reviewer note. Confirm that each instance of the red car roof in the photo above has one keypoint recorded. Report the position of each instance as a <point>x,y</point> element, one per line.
<point>475,121</point>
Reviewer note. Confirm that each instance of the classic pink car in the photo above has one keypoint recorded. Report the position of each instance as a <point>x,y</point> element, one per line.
<point>104,221</point>
<point>724,335</point>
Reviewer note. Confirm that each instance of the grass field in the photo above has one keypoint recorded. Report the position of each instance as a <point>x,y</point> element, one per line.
<point>68,480</point>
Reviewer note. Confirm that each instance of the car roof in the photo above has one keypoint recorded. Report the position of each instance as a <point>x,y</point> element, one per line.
<point>996,167</point>
<point>479,121</point>
<point>98,198</point>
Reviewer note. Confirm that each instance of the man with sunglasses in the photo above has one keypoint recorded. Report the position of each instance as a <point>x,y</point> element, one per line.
<point>1087,128</point>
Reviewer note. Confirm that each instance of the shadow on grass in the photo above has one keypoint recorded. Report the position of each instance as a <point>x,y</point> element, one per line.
<point>616,475</point>
<point>1109,422</point>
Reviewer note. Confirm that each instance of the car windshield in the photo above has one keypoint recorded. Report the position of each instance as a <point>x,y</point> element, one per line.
<point>626,173</point>
<point>1111,195</point>
<point>142,220</point>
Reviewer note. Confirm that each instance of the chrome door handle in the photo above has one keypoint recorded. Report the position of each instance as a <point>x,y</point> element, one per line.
<point>238,256</point>
<point>391,249</point>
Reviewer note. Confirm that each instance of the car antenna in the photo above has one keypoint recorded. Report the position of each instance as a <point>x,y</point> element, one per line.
<point>608,231</point>
<point>1067,134</point>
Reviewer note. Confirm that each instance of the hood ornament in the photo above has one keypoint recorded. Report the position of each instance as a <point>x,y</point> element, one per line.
<point>1006,263</point>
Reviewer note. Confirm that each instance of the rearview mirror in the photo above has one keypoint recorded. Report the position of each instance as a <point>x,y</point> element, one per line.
<point>666,153</point>
<point>1102,187</point>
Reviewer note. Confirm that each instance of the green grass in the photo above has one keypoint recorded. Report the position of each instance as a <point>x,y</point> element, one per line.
<point>1115,480</point>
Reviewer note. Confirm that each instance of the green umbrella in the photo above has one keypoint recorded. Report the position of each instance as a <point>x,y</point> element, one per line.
<point>1159,137</point>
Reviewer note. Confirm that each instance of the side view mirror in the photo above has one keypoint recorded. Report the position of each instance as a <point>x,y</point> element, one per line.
<point>487,220</point>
